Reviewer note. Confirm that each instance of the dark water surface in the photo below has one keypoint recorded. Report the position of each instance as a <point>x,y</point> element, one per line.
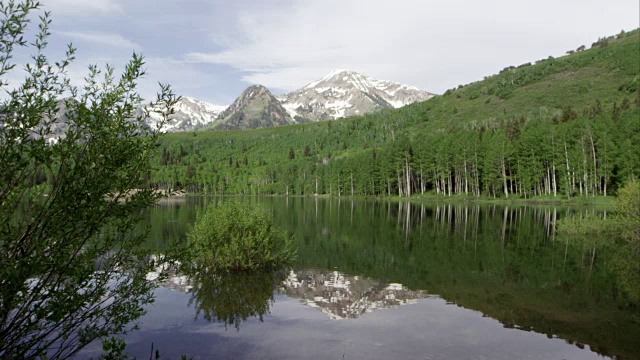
<point>388,280</point>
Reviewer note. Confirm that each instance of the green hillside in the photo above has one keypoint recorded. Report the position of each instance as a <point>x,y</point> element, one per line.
<point>560,127</point>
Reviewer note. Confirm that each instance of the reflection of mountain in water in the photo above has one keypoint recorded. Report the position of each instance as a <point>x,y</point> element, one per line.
<point>336,294</point>
<point>345,297</point>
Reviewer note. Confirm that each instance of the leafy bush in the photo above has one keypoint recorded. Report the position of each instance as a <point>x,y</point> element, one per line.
<point>627,261</point>
<point>90,153</point>
<point>628,214</point>
<point>235,237</point>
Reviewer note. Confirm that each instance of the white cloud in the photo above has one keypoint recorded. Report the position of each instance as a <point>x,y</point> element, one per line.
<point>184,78</point>
<point>434,45</point>
<point>110,40</point>
<point>82,7</point>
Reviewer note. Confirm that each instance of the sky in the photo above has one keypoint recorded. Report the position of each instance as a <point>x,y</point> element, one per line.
<point>212,50</point>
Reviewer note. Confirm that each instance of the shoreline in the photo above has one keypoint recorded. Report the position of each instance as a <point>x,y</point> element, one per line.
<point>591,201</point>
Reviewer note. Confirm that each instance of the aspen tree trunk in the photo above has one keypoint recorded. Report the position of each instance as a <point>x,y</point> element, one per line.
<point>553,164</point>
<point>555,185</point>
<point>351,184</point>
<point>584,169</point>
<point>466,176</point>
<point>548,181</point>
<point>408,172</point>
<point>595,176</point>
<point>605,168</point>
<point>566,156</point>
<point>477,176</point>
<point>504,178</point>
<point>518,185</point>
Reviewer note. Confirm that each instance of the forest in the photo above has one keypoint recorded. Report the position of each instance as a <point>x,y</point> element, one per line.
<point>561,128</point>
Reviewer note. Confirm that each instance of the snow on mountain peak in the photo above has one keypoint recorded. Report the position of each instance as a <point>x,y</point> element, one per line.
<point>190,114</point>
<point>340,93</point>
<point>343,93</point>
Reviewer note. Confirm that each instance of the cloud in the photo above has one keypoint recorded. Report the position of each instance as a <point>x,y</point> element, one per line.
<point>429,44</point>
<point>110,40</point>
<point>185,79</point>
<point>83,7</point>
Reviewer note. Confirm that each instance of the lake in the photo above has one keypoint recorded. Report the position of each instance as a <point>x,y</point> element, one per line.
<point>389,280</point>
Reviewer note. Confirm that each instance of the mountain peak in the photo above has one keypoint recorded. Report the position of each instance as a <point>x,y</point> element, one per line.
<point>255,87</point>
<point>338,72</point>
<point>343,93</point>
<point>255,107</point>
<point>190,114</point>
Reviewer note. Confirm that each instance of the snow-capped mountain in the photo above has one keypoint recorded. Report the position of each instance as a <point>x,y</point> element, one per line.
<point>344,93</point>
<point>190,114</point>
<point>256,107</point>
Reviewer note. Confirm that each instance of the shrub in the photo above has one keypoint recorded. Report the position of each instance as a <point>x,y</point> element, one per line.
<point>234,237</point>
<point>627,261</point>
<point>93,150</point>
<point>628,214</point>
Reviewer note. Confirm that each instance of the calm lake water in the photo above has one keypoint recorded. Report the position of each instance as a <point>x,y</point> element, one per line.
<point>388,280</point>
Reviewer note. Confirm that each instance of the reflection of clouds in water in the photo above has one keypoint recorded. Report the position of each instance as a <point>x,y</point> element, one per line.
<point>431,329</point>
<point>341,296</point>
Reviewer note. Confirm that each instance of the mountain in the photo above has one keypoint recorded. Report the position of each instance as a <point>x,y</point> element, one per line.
<point>256,107</point>
<point>190,114</point>
<point>343,93</point>
<point>339,94</point>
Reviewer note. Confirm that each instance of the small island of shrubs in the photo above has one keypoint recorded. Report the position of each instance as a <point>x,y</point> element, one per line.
<point>234,236</point>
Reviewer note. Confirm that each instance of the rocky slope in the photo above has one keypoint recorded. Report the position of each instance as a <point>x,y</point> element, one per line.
<point>344,93</point>
<point>256,107</point>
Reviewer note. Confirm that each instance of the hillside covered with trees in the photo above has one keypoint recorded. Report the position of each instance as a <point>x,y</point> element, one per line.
<point>560,127</point>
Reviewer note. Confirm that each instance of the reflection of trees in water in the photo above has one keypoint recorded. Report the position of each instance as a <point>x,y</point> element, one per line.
<point>505,261</point>
<point>231,298</point>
